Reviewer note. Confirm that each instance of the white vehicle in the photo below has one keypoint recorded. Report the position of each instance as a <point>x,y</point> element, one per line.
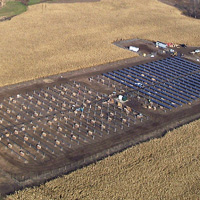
<point>139,84</point>
<point>132,48</point>
<point>161,45</point>
<point>171,50</point>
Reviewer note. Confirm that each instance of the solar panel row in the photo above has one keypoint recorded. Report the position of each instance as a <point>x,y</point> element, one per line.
<point>168,82</point>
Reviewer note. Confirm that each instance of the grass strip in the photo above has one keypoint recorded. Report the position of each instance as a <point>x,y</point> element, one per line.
<point>12,8</point>
<point>32,2</point>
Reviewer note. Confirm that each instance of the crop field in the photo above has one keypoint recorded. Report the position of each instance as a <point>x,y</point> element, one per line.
<point>165,168</point>
<point>53,125</point>
<point>53,38</point>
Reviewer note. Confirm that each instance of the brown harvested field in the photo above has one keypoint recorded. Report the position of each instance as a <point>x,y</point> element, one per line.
<point>54,38</point>
<point>165,168</point>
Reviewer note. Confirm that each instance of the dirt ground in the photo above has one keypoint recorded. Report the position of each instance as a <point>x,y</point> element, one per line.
<point>157,125</point>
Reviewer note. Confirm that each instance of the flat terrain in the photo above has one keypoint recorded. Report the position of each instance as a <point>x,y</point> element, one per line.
<point>165,168</point>
<point>44,134</point>
<point>65,37</point>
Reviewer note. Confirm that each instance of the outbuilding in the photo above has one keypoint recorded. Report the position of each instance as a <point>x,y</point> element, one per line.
<point>161,45</point>
<point>132,48</point>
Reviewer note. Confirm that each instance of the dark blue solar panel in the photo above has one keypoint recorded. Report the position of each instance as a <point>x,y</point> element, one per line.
<point>188,84</point>
<point>172,86</point>
<point>152,92</point>
<point>171,67</point>
<point>191,77</point>
<point>125,76</point>
<point>179,66</point>
<point>185,69</point>
<point>169,95</point>
<point>169,82</point>
<point>167,72</point>
<point>156,73</point>
<point>129,74</point>
<point>188,62</point>
<point>137,73</point>
<point>149,91</point>
<point>132,83</point>
<point>163,98</point>
<point>184,88</point>
<point>145,71</point>
<point>169,90</point>
<point>161,104</point>
<point>119,81</point>
<point>156,69</point>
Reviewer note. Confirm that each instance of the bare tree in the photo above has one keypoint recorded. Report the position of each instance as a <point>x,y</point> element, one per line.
<point>195,8</point>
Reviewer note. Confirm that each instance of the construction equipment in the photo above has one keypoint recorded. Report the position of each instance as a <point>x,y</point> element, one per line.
<point>174,53</point>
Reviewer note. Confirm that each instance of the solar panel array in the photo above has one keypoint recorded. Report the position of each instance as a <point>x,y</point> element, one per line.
<point>49,122</point>
<point>169,82</point>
